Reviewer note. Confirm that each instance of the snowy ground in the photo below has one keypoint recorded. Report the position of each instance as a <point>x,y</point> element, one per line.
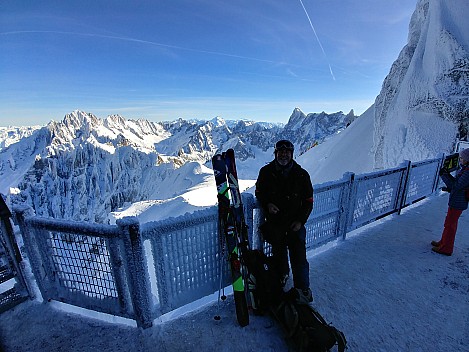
<point>383,287</point>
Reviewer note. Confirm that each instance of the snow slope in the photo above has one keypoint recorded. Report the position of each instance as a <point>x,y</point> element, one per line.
<point>424,102</point>
<point>350,150</point>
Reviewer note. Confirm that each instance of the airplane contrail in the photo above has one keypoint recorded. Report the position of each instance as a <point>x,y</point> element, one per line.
<point>319,42</point>
<point>150,43</point>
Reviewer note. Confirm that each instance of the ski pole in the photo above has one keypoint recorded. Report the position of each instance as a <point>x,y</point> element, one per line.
<point>220,288</point>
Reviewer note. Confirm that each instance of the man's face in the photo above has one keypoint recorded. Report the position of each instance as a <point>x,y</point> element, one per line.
<point>284,156</point>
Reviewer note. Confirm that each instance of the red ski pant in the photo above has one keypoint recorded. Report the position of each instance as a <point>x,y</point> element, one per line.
<point>449,232</point>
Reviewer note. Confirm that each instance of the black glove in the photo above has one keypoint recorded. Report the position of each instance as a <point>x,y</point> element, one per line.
<point>443,171</point>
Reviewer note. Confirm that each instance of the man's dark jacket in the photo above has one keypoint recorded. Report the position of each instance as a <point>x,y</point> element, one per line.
<point>289,188</point>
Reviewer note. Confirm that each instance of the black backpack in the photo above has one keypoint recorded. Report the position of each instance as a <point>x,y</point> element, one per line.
<point>264,286</point>
<point>303,325</point>
<point>307,328</point>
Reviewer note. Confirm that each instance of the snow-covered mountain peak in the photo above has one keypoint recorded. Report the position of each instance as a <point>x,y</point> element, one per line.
<point>296,119</point>
<point>84,167</point>
<point>114,120</point>
<point>423,105</point>
<point>81,120</point>
<point>12,135</point>
<point>218,122</point>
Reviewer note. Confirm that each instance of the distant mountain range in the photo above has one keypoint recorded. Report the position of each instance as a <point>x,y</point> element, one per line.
<point>84,167</point>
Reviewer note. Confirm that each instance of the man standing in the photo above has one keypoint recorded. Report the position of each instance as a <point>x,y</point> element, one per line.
<point>285,193</point>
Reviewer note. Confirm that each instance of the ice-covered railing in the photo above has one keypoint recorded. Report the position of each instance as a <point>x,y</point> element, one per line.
<point>14,288</point>
<point>142,272</point>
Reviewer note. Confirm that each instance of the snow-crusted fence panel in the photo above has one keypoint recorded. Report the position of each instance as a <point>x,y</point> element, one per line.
<point>423,179</point>
<point>326,221</point>
<point>80,264</point>
<point>187,258</point>
<point>250,205</point>
<point>142,272</point>
<point>375,195</point>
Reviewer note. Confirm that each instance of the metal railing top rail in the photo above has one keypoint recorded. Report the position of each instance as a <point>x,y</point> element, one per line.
<point>342,205</point>
<point>79,227</point>
<point>321,187</point>
<point>180,222</point>
<point>380,173</point>
<point>460,145</point>
<point>425,162</point>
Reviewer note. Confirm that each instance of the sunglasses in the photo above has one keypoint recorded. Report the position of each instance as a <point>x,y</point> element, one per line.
<point>284,145</point>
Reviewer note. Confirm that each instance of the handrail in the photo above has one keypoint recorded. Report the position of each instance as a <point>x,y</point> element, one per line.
<point>144,270</point>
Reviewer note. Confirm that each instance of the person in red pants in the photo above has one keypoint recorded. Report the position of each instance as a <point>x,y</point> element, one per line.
<point>458,202</point>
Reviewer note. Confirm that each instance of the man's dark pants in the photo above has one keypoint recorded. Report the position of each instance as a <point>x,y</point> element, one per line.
<point>284,242</point>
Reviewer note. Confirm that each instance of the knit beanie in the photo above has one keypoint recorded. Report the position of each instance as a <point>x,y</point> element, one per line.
<point>464,154</point>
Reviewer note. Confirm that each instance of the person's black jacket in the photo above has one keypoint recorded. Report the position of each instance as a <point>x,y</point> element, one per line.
<point>289,188</point>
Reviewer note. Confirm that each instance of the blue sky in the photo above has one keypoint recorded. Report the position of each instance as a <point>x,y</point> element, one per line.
<point>165,59</point>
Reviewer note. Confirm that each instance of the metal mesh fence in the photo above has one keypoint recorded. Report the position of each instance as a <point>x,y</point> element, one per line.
<point>375,197</point>
<point>82,264</point>
<point>327,200</point>
<point>188,260</point>
<point>100,266</point>
<point>321,231</point>
<point>421,181</point>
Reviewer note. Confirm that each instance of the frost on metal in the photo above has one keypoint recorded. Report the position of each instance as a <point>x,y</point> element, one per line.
<point>143,271</point>
<point>186,257</point>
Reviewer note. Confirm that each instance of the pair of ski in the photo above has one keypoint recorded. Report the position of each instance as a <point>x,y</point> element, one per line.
<point>232,228</point>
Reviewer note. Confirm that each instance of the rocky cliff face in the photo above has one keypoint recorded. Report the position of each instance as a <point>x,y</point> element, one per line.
<point>309,130</point>
<point>423,104</point>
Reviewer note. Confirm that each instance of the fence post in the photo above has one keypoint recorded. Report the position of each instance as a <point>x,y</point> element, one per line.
<point>350,204</point>
<point>32,249</point>
<point>116,248</point>
<point>248,202</point>
<point>162,277</point>
<point>13,250</point>
<point>345,206</point>
<point>139,281</point>
<point>5,216</point>
<point>436,180</point>
<point>402,195</point>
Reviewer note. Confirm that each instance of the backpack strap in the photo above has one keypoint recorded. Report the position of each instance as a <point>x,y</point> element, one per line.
<point>341,340</point>
<point>287,315</point>
<point>339,335</point>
